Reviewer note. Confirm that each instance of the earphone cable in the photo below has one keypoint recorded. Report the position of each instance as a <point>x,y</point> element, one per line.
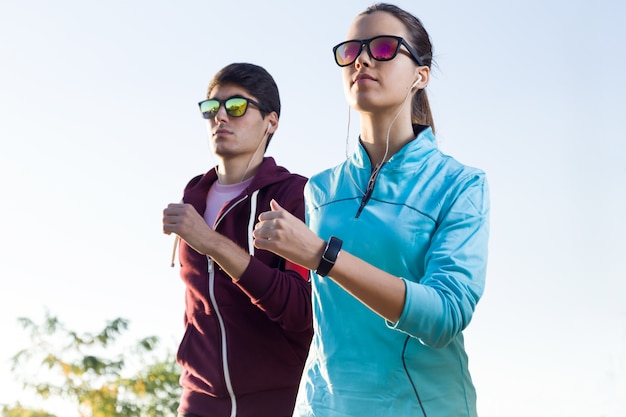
<point>379,165</point>
<point>406,370</point>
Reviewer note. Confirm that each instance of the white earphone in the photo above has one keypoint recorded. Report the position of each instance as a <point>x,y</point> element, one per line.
<point>419,79</point>
<point>269,126</point>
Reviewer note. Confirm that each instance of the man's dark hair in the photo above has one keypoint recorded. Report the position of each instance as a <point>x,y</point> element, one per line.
<point>255,80</point>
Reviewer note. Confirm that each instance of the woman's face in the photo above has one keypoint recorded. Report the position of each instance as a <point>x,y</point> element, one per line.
<point>378,86</point>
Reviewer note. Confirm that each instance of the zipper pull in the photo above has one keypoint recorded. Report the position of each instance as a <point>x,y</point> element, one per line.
<point>370,188</point>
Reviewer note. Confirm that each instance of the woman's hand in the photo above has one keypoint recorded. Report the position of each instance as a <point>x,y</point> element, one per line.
<point>282,233</point>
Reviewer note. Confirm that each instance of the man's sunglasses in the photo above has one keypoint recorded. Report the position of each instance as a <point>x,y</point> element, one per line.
<point>235,106</point>
<point>380,48</point>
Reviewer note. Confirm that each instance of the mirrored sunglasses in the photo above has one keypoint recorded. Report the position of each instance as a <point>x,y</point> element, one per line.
<point>235,106</point>
<point>380,48</point>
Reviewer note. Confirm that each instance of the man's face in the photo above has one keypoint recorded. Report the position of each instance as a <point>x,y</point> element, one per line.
<point>236,136</point>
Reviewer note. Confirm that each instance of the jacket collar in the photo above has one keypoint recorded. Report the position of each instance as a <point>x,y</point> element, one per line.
<point>407,157</point>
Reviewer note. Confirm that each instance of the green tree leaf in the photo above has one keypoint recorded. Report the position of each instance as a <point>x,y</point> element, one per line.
<point>92,372</point>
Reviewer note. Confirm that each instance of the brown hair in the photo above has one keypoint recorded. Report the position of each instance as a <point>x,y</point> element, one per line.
<point>420,41</point>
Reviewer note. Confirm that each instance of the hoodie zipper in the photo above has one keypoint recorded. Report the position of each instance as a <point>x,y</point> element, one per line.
<point>211,293</point>
<point>227,380</point>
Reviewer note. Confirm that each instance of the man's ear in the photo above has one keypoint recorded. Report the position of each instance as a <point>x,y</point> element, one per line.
<point>272,123</point>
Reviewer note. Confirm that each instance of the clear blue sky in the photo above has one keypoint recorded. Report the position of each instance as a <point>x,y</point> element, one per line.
<point>99,131</point>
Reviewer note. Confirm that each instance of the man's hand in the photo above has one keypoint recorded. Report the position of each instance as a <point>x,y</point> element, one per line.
<point>184,220</point>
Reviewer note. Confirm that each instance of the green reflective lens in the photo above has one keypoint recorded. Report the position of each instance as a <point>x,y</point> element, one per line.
<point>209,108</point>
<point>236,106</point>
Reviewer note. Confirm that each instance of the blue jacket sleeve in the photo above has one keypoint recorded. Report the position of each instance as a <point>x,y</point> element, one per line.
<point>441,304</point>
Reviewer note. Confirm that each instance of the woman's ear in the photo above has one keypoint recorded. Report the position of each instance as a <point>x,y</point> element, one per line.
<point>422,77</point>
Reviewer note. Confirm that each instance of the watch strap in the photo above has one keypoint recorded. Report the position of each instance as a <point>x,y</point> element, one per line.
<point>329,257</point>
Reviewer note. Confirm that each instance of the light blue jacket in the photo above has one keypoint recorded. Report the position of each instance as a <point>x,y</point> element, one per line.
<point>427,223</point>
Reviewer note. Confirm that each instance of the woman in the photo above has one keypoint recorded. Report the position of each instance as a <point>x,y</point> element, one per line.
<point>398,239</point>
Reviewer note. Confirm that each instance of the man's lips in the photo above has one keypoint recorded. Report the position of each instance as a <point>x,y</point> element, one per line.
<point>221,132</point>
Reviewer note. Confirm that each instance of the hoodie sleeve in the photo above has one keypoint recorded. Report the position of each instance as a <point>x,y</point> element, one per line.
<point>283,294</point>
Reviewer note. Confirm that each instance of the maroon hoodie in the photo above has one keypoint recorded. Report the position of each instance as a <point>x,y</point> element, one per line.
<point>245,343</point>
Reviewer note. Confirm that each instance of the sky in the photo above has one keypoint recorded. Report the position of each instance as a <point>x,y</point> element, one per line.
<point>99,131</point>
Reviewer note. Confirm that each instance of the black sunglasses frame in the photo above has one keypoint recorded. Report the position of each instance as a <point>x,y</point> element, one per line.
<point>221,103</point>
<point>414,55</point>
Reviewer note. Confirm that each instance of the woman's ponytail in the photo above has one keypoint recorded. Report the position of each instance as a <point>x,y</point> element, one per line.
<point>420,110</point>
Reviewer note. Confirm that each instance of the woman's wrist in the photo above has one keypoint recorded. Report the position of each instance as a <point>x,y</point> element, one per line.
<point>329,256</point>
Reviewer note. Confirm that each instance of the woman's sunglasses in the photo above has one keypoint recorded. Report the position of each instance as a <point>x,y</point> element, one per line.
<point>380,48</point>
<point>235,106</point>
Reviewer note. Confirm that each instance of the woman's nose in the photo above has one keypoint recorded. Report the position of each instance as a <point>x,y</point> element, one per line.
<point>363,58</point>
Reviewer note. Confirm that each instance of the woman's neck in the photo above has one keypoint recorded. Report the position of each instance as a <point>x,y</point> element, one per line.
<point>374,137</point>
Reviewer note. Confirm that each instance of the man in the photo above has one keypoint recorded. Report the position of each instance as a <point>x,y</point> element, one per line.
<point>247,312</point>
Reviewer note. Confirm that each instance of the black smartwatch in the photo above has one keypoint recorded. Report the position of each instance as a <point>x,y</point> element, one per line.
<point>329,257</point>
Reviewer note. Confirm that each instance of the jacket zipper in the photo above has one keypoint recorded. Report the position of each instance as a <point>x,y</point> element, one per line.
<point>370,189</point>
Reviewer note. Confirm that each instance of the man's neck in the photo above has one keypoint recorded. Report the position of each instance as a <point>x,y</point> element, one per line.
<point>234,172</point>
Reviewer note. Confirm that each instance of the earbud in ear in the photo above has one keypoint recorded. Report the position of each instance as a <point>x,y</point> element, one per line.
<point>419,79</point>
<point>269,126</point>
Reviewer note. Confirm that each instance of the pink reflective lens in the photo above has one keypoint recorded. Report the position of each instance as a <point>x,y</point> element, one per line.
<point>383,48</point>
<point>347,52</point>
